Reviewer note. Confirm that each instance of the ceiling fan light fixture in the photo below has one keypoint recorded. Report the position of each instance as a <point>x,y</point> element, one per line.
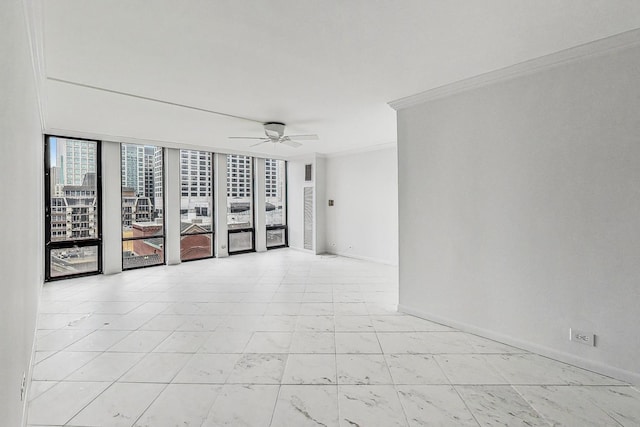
<point>274,130</point>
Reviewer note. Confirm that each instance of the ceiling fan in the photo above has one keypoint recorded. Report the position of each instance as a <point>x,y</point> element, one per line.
<point>274,132</point>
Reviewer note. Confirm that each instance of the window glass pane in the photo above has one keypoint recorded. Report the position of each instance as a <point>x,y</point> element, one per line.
<point>242,241</point>
<point>239,192</point>
<point>196,203</point>
<point>275,191</point>
<point>142,205</point>
<point>142,252</point>
<point>196,246</point>
<point>275,237</point>
<point>73,186</point>
<point>73,260</point>
<point>142,190</point>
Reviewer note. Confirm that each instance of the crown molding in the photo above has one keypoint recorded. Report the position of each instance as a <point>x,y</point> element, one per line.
<point>592,49</point>
<point>366,149</point>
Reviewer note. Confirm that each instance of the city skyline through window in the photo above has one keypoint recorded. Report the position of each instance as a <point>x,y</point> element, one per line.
<point>240,203</point>
<point>276,202</point>
<point>73,212</point>
<point>196,205</point>
<point>142,205</point>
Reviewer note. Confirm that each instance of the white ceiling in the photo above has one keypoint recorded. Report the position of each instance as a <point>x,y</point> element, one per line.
<point>327,67</point>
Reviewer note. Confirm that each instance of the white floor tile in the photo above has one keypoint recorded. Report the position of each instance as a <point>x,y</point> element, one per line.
<point>313,342</point>
<point>207,369</point>
<point>562,405</point>
<point>157,368</point>
<point>314,324</point>
<point>531,369</point>
<point>499,405</point>
<point>415,369</point>
<point>269,342</point>
<point>469,369</point>
<point>436,405</point>
<point>61,364</point>
<point>106,367</point>
<point>182,342</point>
<point>299,406</point>
<point>348,323</point>
<point>287,338</point>
<point>310,369</point>
<point>231,406</point>
<point>357,342</point>
<point>362,369</point>
<point>60,339</point>
<point>258,369</point>
<point>140,341</point>
<point>63,401</point>
<point>226,342</point>
<point>119,405</point>
<point>98,341</point>
<point>180,405</point>
<point>370,405</point>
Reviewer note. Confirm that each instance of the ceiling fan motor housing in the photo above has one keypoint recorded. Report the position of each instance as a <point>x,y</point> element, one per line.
<point>274,130</point>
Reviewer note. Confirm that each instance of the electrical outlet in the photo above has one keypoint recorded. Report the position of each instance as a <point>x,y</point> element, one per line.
<point>23,386</point>
<point>581,337</point>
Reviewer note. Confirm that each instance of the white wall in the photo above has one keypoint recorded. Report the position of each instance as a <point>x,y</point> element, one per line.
<point>21,192</point>
<point>520,210</point>
<point>111,208</point>
<point>363,223</point>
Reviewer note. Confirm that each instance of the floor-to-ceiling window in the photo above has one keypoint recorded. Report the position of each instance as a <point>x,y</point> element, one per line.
<point>73,241</point>
<point>276,202</point>
<point>240,203</point>
<point>142,206</point>
<point>196,205</point>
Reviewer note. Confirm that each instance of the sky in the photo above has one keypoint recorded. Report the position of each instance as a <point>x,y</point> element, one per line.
<point>53,144</point>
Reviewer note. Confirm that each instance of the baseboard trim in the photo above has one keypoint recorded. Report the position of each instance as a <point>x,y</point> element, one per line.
<point>363,258</point>
<point>601,368</point>
<point>306,251</point>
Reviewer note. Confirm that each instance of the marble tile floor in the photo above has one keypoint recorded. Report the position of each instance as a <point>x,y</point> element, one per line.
<point>285,338</point>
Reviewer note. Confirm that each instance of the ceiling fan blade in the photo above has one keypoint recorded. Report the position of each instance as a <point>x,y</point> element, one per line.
<point>304,137</point>
<point>291,143</point>
<point>245,137</point>
<point>259,143</point>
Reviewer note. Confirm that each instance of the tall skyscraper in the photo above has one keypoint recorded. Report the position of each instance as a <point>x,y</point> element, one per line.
<point>74,158</point>
<point>133,170</point>
<point>239,176</point>
<point>158,176</point>
<point>274,178</point>
<point>196,178</point>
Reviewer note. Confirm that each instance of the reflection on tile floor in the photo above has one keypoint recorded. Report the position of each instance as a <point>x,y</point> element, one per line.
<point>287,339</point>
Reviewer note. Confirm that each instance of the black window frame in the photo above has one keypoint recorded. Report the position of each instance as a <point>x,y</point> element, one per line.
<point>77,243</point>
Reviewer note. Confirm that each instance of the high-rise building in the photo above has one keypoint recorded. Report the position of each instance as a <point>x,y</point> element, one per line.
<point>148,165</point>
<point>196,178</point>
<point>74,212</point>
<point>133,171</point>
<point>74,158</point>
<point>239,176</point>
<point>274,178</point>
<point>156,194</point>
